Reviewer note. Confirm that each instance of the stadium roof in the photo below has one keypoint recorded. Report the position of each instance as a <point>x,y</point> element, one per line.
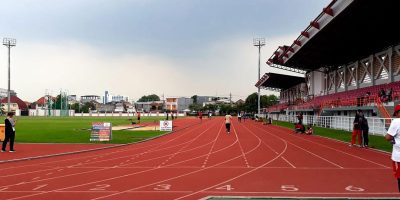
<point>279,81</point>
<point>345,31</point>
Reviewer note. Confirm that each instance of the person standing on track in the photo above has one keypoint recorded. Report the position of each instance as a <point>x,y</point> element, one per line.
<point>365,130</point>
<point>393,135</point>
<point>357,129</point>
<point>138,117</point>
<point>9,132</point>
<point>239,117</point>
<point>228,119</point>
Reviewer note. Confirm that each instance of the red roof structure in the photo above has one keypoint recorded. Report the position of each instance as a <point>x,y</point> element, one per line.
<point>14,99</point>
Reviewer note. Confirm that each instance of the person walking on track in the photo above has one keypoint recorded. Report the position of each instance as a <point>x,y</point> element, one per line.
<point>138,117</point>
<point>228,119</point>
<point>393,135</point>
<point>9,132</point>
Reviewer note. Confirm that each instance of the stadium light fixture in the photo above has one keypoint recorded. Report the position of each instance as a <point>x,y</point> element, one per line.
<point>259,42</point>
<point>9,42</point>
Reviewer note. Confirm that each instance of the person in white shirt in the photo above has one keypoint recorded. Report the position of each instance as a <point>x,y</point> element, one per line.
<point>239,116</point>
<point>228,119</point>
<point>393,135</point>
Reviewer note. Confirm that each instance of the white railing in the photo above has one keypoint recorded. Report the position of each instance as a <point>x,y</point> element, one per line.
<point>377,126</point>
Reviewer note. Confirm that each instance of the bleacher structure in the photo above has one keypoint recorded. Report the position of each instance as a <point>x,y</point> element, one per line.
<point>344,57</point>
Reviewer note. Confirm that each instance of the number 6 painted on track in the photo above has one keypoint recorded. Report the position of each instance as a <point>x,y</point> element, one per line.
<point>289,188</point>
<point>354,189</point>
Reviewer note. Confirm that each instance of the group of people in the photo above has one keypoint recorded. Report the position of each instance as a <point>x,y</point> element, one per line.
<point>300,128</point>
<point>360,130</point>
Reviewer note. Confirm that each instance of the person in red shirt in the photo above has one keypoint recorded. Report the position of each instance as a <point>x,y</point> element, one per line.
<point>201,116</point>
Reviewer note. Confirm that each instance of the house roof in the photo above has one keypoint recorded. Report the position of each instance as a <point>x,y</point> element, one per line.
<point>14,99</point>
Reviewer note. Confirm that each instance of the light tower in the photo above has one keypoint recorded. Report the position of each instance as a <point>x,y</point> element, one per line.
<point>259,42</point>
<point>9,42</point>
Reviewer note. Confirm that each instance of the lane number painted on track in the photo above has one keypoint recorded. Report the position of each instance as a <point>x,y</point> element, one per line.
<point>100,187</point>
<point>162,187</point>
<point>225,187</point>
<point>354,189</point>
<point>40,186</point>
<point>289,188</point>
<point>3,188</point>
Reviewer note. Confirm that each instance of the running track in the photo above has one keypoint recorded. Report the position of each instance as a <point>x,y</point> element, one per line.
<point>201,160</point>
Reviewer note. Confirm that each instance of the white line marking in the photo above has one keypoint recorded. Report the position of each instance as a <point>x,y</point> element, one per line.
<point>212,147</point>
<point>241,148</point>
<point>288,162</point>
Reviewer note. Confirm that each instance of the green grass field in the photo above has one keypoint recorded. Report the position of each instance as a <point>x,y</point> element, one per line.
<point>76,129</point>
<point>377,142</point>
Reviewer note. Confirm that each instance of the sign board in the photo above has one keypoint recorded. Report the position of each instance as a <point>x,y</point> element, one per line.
<point>166,125</point>
<point>101,131</point>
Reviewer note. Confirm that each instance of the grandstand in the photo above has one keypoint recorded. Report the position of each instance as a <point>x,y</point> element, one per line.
<point>346,56</point>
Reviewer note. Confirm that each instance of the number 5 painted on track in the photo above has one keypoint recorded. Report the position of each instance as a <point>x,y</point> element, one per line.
<point>354,189</point>
<point>163,187</point>
<point>289,188</point>
<point>225,187</point>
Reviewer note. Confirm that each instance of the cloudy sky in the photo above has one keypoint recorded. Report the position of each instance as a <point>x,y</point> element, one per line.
<point>140,47</point>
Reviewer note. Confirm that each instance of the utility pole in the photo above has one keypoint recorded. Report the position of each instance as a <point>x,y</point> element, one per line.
<point>9,42</point>
<point>259,42</point>
<point>230,98</point>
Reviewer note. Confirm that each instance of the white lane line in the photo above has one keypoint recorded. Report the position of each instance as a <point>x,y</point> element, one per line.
<point>334,149</point>
<point>179,151</point>
<point>243,174</point>
<point>122,176</point>
<point>241,148</point>
<point>123,149</point>
<point>335,164</point>
<point>212,147</point>
<point>288,162</point>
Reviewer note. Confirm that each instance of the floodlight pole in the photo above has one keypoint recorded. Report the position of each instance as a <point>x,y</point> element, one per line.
<point>9,42</point>
<point>259,42</point>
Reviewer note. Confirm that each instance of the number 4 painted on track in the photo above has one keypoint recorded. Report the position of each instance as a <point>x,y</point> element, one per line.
<point>225,187</point>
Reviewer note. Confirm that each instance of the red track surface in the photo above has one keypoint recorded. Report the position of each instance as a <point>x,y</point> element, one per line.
<point>203,160</point>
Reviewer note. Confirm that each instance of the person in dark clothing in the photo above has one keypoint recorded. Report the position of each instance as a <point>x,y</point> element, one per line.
<point>9,132</point>
<point>300,118</point>
<point>357,128</point>
<point>365,129</point>
<point>389,95</point>
<point>382,95</point>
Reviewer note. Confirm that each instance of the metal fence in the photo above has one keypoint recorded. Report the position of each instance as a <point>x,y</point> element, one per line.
<point>377,126</point>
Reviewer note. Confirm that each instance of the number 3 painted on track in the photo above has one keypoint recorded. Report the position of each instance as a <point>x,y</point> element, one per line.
<point>289,188</point>
<point>354,189</point>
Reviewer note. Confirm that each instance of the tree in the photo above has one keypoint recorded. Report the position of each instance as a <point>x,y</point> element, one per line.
<point>75,107</point>
<point>195,107</point>
<point>88,105</point>
<point>194,97</point>
<point>148,98</point>
<point>251,103</point>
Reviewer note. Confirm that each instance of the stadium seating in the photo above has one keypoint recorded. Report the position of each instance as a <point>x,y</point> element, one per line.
<point>356,97</point>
